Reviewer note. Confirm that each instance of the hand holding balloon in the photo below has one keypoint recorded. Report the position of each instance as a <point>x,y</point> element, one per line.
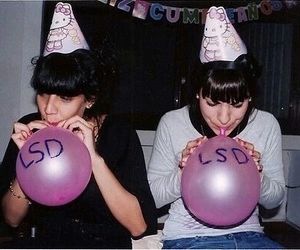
<point>84,130</point>
<point>256,156</point>
<point>53,166</point>
<point>23,131</point>
<point>189,149</point>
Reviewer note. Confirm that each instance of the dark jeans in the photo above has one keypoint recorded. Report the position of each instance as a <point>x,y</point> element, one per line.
<point>72,235</point>
<point>244,240</point>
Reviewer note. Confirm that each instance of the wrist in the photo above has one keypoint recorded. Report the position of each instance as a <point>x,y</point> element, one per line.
<point>97,162</point>
<point>16,192</point>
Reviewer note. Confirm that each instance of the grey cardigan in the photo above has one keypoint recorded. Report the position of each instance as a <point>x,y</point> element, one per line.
<point>174,131</point>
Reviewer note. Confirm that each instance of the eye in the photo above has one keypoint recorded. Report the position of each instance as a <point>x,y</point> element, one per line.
<point>221,26</point>
<point>66,98</point>
<point>64,19</point>
<point>237,105</point>
<point>43,95</point>
<point>211,103</point>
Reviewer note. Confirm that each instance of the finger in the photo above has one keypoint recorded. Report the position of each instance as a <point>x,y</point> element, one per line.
<point>196,142</point>
<point>189,149</point>
<point>80,125</point>
<point>38,124</point>
<point>17,136</point>
<point>192,150</point>
<point>61,124</point>
<point>184,152</point>
<point>259,167</point>
<point>181,164</point>
<point>83,130</point>
<point>247,145</point>
<point>183,161</point>
<point>18,139</point>
<point>257,155</point>
<point>78,133</point>
<point>26,135</point>
<point>74,119</point>
<point>187,152</point>
<point>192,144</point>
<point>240,141</point>
<point>18,127</point>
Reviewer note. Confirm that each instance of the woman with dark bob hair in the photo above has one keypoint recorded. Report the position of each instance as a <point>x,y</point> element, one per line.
<point>73,91</point>
<point>229,82</point>
<point>223,94</point>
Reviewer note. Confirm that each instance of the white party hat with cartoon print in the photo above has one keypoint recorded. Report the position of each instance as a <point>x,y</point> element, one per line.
<point>65,35</point>
<point>220,41</point>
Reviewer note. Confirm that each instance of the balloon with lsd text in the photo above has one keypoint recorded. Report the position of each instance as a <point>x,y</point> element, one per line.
<point>220,183</point>
<point>53,167</point>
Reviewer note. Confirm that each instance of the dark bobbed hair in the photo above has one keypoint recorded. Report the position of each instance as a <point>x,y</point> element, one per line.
<point>230,82</point>
<point>86,72</point>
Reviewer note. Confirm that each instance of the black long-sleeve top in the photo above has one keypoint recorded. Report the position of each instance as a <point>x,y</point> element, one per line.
<point>87,222</point>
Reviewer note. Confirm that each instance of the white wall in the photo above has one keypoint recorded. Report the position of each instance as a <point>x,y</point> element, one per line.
<point>20,28</point>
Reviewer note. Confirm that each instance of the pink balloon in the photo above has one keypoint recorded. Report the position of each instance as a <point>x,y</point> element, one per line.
<point>220,183</point>
<point>53,167</point>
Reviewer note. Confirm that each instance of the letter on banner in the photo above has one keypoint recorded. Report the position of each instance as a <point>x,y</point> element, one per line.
<point>190,16</point>
<point>123,5</point>
<point>241,13</point>
<point>140,9</point>
<point>156,11</point>
<point>172,14</point>
<point>252,11</point>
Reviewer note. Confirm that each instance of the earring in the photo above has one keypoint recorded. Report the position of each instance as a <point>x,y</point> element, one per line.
<point>250,99</point>
<point>197,96</point>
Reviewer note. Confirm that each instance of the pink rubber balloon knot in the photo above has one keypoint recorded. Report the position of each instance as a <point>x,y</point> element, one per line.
<point>222,131</point>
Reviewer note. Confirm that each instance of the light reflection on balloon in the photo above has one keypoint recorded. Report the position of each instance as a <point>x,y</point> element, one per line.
<point>221,183</point>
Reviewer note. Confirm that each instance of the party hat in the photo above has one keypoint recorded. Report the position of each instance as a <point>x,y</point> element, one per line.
<point>220,40</point>
<point>65,35</point>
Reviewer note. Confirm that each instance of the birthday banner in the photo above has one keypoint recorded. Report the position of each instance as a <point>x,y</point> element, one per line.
<point>143,9</point>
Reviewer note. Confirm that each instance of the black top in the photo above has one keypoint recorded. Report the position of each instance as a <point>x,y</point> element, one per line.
<point>87,222</point>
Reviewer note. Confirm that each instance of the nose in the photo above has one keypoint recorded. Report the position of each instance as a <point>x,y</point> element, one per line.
<point>224,114</point>
<point>51,105</point>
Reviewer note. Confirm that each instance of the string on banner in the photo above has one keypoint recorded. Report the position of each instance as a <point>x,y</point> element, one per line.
<point>142,9</point>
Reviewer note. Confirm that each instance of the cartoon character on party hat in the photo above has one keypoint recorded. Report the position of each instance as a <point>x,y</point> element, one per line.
<point>65,35</point>
<point>220,41</point>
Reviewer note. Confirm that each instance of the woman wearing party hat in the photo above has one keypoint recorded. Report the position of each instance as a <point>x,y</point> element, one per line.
<point>73,87</point>
<point>222,99</point>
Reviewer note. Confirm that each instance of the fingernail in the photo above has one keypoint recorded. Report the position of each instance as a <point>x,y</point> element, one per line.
<point>24,134</point>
